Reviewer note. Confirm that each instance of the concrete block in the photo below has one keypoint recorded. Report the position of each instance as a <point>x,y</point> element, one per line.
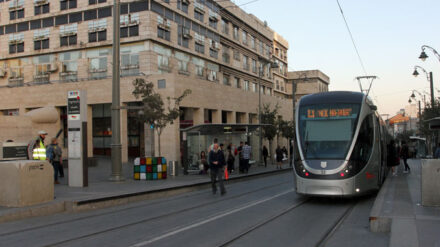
<point>430,182</point>
<point>25,183</point>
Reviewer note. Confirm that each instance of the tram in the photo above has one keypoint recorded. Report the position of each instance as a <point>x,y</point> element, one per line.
<point>341,145</point>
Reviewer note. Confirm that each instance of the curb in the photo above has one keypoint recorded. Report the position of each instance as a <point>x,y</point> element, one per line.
<point>116,200</point>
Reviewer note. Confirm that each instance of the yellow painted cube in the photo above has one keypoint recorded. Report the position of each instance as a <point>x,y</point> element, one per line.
<point>149,161</point>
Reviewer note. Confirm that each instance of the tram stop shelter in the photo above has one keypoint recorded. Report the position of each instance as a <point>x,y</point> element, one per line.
<point>198,138</point>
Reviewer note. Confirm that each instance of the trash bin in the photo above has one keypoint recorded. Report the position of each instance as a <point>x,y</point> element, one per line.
<point>173,168</point>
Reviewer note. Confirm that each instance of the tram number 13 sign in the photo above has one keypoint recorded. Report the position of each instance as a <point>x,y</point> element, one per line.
<point>329,113</point>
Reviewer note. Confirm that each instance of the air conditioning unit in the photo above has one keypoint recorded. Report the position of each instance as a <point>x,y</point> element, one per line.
<point>186,2</point>
<point>210,77</point>
<point>186,33</point>
<point>213,17</point>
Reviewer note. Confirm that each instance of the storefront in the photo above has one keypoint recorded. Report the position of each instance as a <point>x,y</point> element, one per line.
<point>198,138</point>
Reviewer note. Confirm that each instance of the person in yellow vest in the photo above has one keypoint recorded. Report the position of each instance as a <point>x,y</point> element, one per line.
<point>36,148</point>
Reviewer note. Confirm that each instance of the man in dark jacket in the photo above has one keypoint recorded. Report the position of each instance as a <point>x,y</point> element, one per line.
<point>404,153</point>
<point>216,165</point>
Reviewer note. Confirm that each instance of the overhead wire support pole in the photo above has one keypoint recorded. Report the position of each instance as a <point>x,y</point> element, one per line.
<point>368,77</point>
<point>116,173</point>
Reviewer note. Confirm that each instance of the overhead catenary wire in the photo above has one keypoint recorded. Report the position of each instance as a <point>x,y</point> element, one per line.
<point>352,38</point>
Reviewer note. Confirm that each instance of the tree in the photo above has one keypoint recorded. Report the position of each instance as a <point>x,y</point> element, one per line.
<point>154,112</point>
<point>269,117</point>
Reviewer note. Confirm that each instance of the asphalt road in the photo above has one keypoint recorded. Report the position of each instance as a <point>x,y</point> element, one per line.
<point>258,212</point>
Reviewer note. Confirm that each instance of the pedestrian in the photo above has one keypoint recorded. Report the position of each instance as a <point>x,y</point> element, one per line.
<point>437,152</point>
<point>240,158</point>
<point>204,162</point>
<point>247,153</point>
<point>36,149</point>
<point>392,157</point>
<point>404,153</point>
<point>216,164</point>
<point>54,155</point>
<point>279,157</point>
<point>231,159</point>
<point>265,154</point>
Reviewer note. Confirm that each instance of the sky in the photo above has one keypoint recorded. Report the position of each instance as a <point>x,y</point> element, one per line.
<point>388,34</point>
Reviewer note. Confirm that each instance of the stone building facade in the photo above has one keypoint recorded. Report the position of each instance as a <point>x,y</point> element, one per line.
<point>214,48</point>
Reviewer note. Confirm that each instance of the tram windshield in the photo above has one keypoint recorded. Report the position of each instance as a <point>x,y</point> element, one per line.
<point>326,130</point>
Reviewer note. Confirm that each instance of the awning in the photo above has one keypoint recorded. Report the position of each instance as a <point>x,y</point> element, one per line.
<point>212,129</point>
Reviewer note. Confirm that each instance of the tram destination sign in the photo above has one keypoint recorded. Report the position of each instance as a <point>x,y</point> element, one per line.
<point>329,113</point>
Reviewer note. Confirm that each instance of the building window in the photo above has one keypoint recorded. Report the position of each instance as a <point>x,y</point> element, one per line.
<point>97,30</point>
<point>213,19</point>
<point>225,26</point>
<point>212,71</point>
<point>236,55</point>
<point>199,16</point>
<point>41,9</point>
<point>199,47</point>
<point>226,80</point>
<point>43,68</point>
<point>129,61</point>
<point>98,63</point>
<point>163,58</point>
<point>16,48</point>
<point>16,14</point>
<point>129,25</point>
<point>253,42</point>
<point>16,43</point>
<point>163,34</point>
<point>245,63</point>
<point>67,4</point>
<point>96,1</point>
<point>68,35</point>
<point>254,87</point>
<point>41,44</point>
<point>182,62</point>
<point>213,53</point>
<point>161,83</point>
<point>244,39</point>
<point>246,85</point>
<point>277,85</point>
<point>41,39</point>
<point>261,47</point>
<point>199,65</point>
<point>183,36</point>
<point>183,5</point>
<point>237,82</point>
<point>69,65</point>
<point>236,33</point>
<point>199,43</point>
<point>254,66</point>
<point>225,54</point>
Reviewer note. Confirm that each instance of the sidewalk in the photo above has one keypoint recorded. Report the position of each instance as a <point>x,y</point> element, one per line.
<point>398,210</point>
<point>103,193</point>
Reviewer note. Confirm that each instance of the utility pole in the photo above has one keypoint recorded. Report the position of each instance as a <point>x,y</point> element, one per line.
<point>431,83</point>
<point>116,174</point>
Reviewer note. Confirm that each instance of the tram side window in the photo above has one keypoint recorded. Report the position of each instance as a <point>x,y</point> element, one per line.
<point>364,142</point>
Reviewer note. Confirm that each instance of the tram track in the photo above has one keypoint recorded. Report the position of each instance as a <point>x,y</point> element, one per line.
<point>140,221</point>
<point>321,243</point>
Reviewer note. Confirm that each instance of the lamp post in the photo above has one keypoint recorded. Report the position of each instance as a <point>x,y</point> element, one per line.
<point>429,77</point>
<point>116,174</point>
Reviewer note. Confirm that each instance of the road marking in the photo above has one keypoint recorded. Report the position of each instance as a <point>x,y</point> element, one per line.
<point>215,217</point>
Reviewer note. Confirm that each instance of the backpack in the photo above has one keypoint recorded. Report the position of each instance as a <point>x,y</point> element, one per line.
<point>50,153</point>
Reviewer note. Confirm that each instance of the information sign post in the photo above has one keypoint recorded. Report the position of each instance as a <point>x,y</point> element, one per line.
<point>77,138</point>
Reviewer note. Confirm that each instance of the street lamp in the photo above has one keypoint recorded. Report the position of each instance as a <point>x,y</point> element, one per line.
<point>429,77</point>
<point>423,55</point>
<point>413,96</point>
